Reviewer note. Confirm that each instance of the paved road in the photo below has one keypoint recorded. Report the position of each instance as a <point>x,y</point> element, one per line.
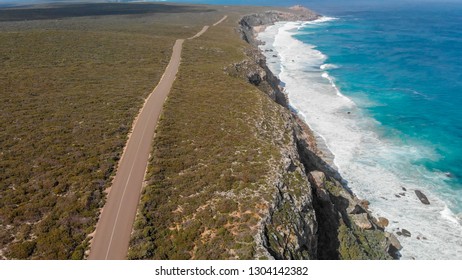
<point>220,21</point>
<point>199,33</point>
<point>113,230</point>
<point>112,235</point>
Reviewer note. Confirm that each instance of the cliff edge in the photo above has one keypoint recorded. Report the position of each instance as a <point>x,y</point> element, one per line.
<point>340,224</point>
<point>234,174</point>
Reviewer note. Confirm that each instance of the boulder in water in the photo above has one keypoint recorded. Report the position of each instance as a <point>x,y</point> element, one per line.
<point>365,204</point>
<point>394,241</point>
<point>423,198</point>
<point>383,222</point>
<point>404,232</point>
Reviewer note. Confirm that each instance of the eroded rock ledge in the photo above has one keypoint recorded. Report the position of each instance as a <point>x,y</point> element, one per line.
<point>249,22</point>
<point>317,217</point>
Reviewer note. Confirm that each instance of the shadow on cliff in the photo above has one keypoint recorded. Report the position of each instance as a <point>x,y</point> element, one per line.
<point>327,212</point>
<point>346,229</point>
<point>307,147</point>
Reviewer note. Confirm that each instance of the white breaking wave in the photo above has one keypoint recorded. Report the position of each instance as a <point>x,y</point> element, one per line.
<point>376,169</point>
<point>328,66</point>
<point>319,20</point>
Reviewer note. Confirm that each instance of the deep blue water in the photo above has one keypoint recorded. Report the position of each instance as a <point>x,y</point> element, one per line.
<point>401,62</point>
<point>407,63</point>
<point>401,65</point>
<point>405,58</point>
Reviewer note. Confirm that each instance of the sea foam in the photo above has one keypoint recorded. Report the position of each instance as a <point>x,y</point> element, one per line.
<point>378,169</point>
<point>328,66</point>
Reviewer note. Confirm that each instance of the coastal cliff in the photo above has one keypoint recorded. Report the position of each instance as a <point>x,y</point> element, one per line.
<point>248,23</point>
<point>234,174</point>
<point>328,219</point>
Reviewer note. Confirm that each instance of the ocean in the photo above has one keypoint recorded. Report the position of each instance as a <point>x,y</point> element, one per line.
<point>383,89</point>
<point>381,85</point>
<point>380,82</point>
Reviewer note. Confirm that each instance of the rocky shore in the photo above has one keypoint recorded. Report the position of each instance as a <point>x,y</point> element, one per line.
<point>317,218</point>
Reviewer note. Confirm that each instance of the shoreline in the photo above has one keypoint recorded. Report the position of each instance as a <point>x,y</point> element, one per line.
<point>322,148</point>
<point>425,237</point>
<point>317,141</point>
<point>327,184</point>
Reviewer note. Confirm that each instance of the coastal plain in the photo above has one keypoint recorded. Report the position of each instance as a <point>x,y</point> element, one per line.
<point>233,174</point>
<point>71,88</point>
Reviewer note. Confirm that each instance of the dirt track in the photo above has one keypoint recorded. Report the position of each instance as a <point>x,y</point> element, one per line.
<point>112,235</point>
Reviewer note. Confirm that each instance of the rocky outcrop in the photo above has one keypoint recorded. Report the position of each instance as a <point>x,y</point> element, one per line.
<point>317,217</point>
<point>256,72</point>
<point>346,228</point>
<point>383,222</point>
<point>289,232</point>
<point>249,22</point>
<point>288,228</point>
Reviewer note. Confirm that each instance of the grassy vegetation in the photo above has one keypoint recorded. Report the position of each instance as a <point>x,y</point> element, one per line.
<point>59,11</point>
<point>358,244</point>
<point>215,149</point>
<point>69,91</point>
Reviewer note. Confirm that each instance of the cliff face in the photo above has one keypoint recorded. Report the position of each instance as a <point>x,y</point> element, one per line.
<point>289,229</point>
<point>314,215</point>
<point>247,23</point>
<point>225,179</point>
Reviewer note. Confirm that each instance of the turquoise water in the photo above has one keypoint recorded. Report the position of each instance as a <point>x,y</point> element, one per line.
<point>404,68</point>
<point>381,84</point>
<point>382,88</point>
<point>402,64</point>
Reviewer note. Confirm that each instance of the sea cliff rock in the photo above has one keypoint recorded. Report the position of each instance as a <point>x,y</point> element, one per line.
<point>322,218</point>
<point>249,22</point>
<point>256,72</point>
<point>288,230</point>
<point>383,222</point>
<point>362,221</point>
<point>394,241</point>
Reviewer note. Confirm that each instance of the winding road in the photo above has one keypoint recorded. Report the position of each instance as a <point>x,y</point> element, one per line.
<point>112,235</point>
